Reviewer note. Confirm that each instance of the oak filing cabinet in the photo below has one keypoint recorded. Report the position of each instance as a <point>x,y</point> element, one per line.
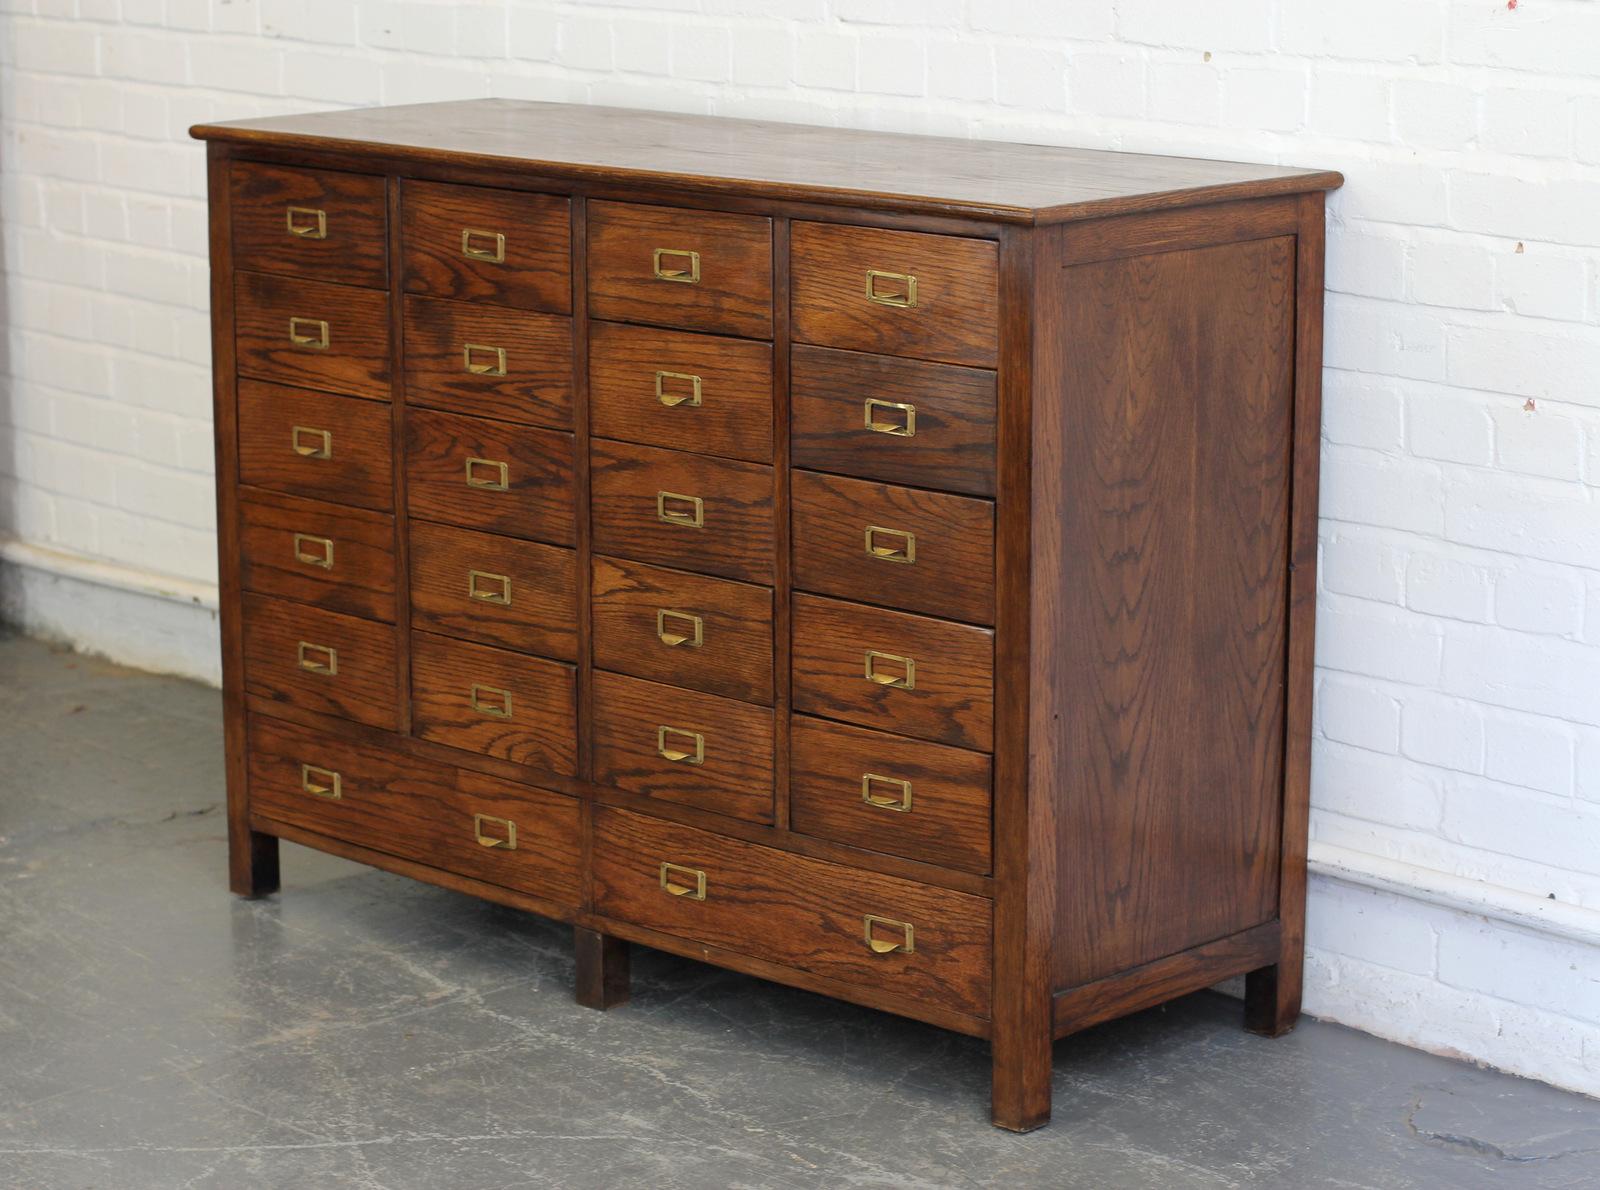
<point>880,564</point>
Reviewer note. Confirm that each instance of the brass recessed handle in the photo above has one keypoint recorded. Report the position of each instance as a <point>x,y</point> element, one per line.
<point>311,443</point>
<point>504,833</point>
<point>676,264</point>
<point>496,366</point>
<point>672,399</point>
<point>679,881</point>
<point>488,475</point>
<point>891,289</point>
<point>487,587</point>
<point>310,333</point>
<point>906,679</point>
<point>885,935</point>
<point>674,628</point>
<point>477,251</point>
<point>675,509</point>
<point>891,545</point>
<point>890,417</point>
<point>898,801</point>
<point>313,551</point>
<point>491,701</point>
<point>680,746</point>
<point>320,782</point>
<point>309,223</point>
<point>317,659</point>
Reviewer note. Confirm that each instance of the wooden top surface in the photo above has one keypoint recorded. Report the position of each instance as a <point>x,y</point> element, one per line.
<point>799,162</point>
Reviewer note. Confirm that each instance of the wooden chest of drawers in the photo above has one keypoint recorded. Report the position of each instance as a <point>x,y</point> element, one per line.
<point>879,564</point>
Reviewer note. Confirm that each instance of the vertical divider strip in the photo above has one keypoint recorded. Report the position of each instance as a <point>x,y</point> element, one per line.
<point>584,530</point>
<point>397,421</point>
<point>783,597</point>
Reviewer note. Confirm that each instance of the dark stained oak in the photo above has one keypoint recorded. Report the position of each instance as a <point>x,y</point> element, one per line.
<point>489,362</point>
<point>602,963</point>
<point>319,224</point>
<point>341,559</point>
<point>315,444</point>
<point>475,244</point>
<point>320,660</point>
<point>312,333</point>
<point>490,475</point>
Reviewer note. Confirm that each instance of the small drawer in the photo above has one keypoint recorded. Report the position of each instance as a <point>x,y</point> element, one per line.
<point>315,223</point>
<point>683,746</point>
<point>896,292</point>
<point>684,629</point>
<point>311,333</point>
<point>918,942</point>
<point>923,551</point>
<point>490,475</point>
<point>708,515</point>
<point>321,661</point>
<point>888,793</point>
<point>907,674</point>
<point>315,444</point>
<point>517,708</point>
<point>482,827</point>
<point>481,245</point>
<point>666,266</point>
<point>498,590</point>
<point>899,420</point>
<point>700,393</point>
<point>508,364</point>
<point>340,559</point>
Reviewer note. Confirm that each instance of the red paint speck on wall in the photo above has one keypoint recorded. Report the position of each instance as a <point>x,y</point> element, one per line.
<point>1511,4</point>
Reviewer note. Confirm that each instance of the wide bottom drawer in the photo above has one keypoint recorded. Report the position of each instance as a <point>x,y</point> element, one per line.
<point>468,823</point>
<point>929,944</point>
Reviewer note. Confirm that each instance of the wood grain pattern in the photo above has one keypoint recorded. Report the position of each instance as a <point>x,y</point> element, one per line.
<point>519,708</point>
<point>536,387</point>
<point>540,582</point>
<point>341,559</point>
<point>357,469</point>
<point>735,540</point>
<point>734,416</point>
<point>952,443</point>
<point>733,295</point>
<point>948,818</point>
<point>353,248</point>
<point>361,689</point>
<point>537,502</point>
<point>734,776</point>
<point>734,654</point>
<point>536,270</point>
<point>955,318</point>
<point>951,568</point>
<point>796,911</point>
<point>953,698</point>
<point>355,359</point>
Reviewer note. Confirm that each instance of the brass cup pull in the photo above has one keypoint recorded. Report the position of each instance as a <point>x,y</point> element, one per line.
<point>473,250</point>
<point>313,551</point>
<point>481,367</point>
<point>680,746</point>
<point>673,399</point>
<point>885,935</point>
<point>906,679</point>
<point>317,659</point>
<point>487,587</point>
<point>676,264</point>
<point>503,834</point>
<point>675,509</point>
<point>488,475</point>
<point>679,881</point>
<point>890,417</point>
<point>675,629</point>
<point>320,782</point>
<point>891,545</point>
<point>310,333</point>
<point>872,785</point>
<point>309,223</point>
<point>891,289</point>
<point>311,443</point>
<point>491,701</point>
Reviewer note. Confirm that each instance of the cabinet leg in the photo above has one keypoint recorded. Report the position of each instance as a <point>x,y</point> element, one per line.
<point>1020,1095</point>
<point>1272,997</point>
<point>252,863</point>
<point>602,969</point>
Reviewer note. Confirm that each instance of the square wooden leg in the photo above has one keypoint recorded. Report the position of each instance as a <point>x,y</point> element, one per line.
<point>252,863</point>
<point>1272,998</point>
<point>602,969</point>
<point>1020,1094</point>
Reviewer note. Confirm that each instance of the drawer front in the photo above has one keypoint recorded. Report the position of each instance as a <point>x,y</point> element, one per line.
<point>311,333</point>
<point>899,420</point>
<point>927,944</point>
<point>497,590</point>
<point>340,559</point>
<point>321,661</point>
<point>888,793</point>
<point>667,266</point>
<point>316,223</point>
<point>508,364</point>
<point>897,672</point>
<point>707,515</point>
<point>683,629</point>
<point>701,393</point>
<point>497,831</point>
<point>518,708</point>
<point>897,293</point>
<point>490,475</point>
<point>924,551</point>
<point>314,444</point>
<point>481,245</point>
<point>683,746</point>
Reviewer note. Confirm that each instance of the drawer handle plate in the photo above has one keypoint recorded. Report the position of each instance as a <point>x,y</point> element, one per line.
<point>317,659</point>
<point>904,553</point>
<point>313,551</point>
<point>491,701</point>
<point>495,255</point>
<point>311,340</point>
<point>673,399</point>
<point>309,223</point>
<point>695,753</point>
<point>899,802</point>
<point>501,481</point>
<point>901,422</point>
<point>668,265</point>
<point>906,943</point>
<point>311,443</point>
<point>896,289</point>
<point>689,633</point>
<point>483,367</point>
<point>693,516</point>
<point>320,782</point>
<point>673,882</point>
<point>487,587</point>
<point>506,839</point>
<point>904,680</point>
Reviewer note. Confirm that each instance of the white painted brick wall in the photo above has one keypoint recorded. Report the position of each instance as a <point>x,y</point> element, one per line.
<point>1458,710</point>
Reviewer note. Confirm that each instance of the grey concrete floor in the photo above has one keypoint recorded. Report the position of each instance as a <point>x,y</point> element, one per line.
<point>361,1030</point>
